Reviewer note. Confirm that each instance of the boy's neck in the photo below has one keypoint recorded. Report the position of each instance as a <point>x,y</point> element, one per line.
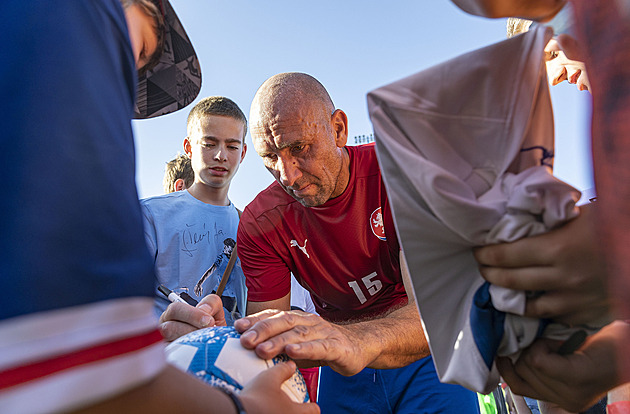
<point>210,195</point>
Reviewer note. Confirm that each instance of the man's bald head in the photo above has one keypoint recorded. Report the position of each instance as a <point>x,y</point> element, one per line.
<point>289,92</point>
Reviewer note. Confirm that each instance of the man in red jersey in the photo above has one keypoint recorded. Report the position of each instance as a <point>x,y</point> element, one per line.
<point>326,219</point>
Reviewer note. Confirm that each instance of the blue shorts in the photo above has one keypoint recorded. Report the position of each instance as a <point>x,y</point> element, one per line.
<point>412,389</point>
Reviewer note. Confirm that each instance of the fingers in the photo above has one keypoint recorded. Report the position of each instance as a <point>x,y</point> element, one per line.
<point>570,307</point>
<point>198,317</point>
<point>524,278</point>
<point>212,305</point>
<point>272,331</point>
<point>172,330</point>
<point>248,321</point>
<point>180,318</point>
<point>517,384</point>
<point>302,336</point>
<point>265,391</point>
<point>524,252</point>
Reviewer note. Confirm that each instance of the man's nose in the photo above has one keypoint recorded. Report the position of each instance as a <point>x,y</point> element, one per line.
<point>289,172</point>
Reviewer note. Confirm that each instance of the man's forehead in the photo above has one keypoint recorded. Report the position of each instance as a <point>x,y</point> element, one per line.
<point>279,135</point>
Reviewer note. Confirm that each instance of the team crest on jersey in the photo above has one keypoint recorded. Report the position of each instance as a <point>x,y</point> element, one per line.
<point>376,224</point>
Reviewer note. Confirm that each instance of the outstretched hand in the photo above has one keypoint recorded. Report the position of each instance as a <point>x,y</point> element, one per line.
<point>564,264</point>
<point>181,318</point>
<point>304,337</point>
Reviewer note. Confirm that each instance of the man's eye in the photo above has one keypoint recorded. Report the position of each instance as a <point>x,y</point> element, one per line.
<point>232,147</point>
<point>297,149</point>
<point>207,144</point>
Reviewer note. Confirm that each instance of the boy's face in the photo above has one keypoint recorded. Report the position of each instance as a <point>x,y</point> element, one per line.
<point>216,149</point>
<point>560,68</point>
<point>142,34</point>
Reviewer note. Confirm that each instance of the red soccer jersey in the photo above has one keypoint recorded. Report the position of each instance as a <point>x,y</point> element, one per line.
<point>345,252</point>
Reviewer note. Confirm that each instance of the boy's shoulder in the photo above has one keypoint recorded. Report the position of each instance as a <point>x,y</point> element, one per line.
<point>165,199</point>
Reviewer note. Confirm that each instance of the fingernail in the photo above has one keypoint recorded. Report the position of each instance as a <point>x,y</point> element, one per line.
<point>207,320</point>
<point>265,346</point>
<point>249,336</point>
<point>244,323</point>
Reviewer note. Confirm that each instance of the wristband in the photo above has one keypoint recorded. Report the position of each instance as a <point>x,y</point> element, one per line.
<point>237,401</point>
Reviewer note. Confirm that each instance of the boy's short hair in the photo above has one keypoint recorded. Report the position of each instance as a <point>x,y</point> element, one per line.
<point>516,26</point>
<point>152,10</point>
<point>216,105</point>
<point>179,167</point>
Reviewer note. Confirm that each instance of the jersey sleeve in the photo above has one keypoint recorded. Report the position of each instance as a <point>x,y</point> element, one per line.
<point>266,274</point>
<point>63,359</point>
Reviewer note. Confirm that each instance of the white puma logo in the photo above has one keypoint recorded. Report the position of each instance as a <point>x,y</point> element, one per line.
<point>294,243</point>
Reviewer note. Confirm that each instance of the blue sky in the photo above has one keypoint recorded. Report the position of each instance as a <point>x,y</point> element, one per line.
<point>351,47</point>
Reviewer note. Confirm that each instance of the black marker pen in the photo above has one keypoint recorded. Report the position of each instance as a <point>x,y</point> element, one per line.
<point>174,297</point>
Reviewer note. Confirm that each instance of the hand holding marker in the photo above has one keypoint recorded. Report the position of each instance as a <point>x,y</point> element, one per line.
<point>174,297</point>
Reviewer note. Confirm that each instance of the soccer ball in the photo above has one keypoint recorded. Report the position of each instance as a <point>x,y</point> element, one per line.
<point>216,356</point>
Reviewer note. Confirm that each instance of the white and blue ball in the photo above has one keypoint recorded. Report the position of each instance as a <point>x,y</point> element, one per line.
<point>216,356</point>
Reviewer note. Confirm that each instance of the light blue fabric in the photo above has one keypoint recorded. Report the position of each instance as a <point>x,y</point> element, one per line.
<point>186,238</point>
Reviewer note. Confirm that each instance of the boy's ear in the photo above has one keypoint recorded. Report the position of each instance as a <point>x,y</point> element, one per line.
<point>180,184</point>
<point>187,147</point>
<point>244,151</point>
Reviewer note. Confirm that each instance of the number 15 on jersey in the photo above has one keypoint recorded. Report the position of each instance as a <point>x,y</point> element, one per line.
<point>371,284</point>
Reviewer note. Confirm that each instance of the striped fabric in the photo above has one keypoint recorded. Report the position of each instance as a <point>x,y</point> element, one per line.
<point>60,360</point>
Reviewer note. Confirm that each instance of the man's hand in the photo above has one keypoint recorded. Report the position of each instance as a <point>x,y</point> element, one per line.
<point>180,318</point>
<point>391,341</point>
<point>564,264</point>
<point>303,337</point>
<point>574,381</point>
<point>263,394</point>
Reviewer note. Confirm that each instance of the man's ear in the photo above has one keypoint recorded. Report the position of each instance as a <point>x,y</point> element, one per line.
<point>187,147</point>
<point>339,121</point>
<point>180,184</point>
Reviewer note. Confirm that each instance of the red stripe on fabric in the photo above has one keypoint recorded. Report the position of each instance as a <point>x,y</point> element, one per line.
<point>24,373</point>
